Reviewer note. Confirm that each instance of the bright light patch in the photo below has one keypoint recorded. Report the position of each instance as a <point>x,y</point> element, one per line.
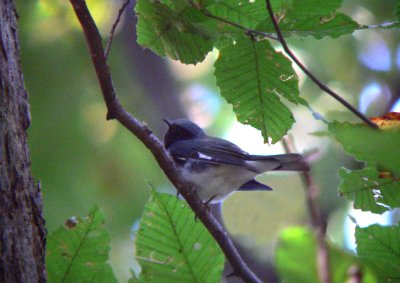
<point>202,104</point>
<point>398,57</point>
<point>363,219</point>
<point>375,54</point>
<point>396,106</point>
<point>251,140</point>
<point>374,93</point>
<point>192,72</point>
<point>368,95</point>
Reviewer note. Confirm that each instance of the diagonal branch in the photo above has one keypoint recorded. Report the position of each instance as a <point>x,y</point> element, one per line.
<point>321,85</point>
<point>144,134</point>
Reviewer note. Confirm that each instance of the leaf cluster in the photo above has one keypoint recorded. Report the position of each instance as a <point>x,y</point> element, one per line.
<point>256,79</point>
<point>171,246</point>
<point>376,188</point>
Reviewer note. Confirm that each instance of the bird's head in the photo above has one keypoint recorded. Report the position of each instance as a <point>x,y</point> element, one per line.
<point>181,129</point>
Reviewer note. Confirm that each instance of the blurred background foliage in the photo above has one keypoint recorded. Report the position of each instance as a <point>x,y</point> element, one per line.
<point>81,159</point>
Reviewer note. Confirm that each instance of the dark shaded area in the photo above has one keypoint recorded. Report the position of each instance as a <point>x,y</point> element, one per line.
<point>153,76</point>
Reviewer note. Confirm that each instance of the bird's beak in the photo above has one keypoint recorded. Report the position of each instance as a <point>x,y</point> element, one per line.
<point>169,123</point>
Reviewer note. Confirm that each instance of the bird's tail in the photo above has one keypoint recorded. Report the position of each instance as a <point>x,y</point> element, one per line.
<point>284,162</point>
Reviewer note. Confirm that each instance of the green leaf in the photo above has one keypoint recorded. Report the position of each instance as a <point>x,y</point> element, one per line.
<point>380,248</point>
<point>318,27</point>
<point>368,191</point>
<point>172,247</point>
<point>78,252</point>
<point>231,13</point>
<point>315,17</point>
<point>304,9</point>
<point>311,18</point>
<point>377,148</point>
<point>245,13</point>
<point>397,10</point>
<point>233,18</point>
<point>170,32</point>
<point>252,77</point>
<point>297,256</point>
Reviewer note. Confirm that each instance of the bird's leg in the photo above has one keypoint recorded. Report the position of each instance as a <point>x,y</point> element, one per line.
<point>206,206</point>
<point>208,202</point>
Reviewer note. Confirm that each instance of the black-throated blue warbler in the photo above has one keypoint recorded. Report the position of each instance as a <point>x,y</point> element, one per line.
<point>217,167</point>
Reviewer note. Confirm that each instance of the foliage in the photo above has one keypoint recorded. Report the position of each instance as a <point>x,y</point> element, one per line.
<point>296,255</point>
<point>252,75</point>
<point>377,148</point>
<point>167,31</point>
<point>380,247</point>
<point>375,188</point>
<point>254,78</point>
<point>173,247</point>
<point>249,74</point>
<point>261,85</point>
<point>312,18</point>
<point>369,190</point>
<point>78,251</point>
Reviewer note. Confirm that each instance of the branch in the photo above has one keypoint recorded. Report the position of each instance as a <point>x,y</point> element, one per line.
<point>321,85</point>
<point>317,222</point>
<point>144,134</point>
<point>111,36</point>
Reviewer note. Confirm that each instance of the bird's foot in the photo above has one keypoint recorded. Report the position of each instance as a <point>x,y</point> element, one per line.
<point>207,207</point>
<point>206,204</point>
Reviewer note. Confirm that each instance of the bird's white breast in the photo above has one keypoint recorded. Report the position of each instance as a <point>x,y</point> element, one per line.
<point>213,181</point>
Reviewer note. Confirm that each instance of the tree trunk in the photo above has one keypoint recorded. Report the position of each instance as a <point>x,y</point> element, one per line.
<point>22,232</point>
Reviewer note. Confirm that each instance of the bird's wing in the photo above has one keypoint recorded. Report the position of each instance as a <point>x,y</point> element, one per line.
<point>211,150</point>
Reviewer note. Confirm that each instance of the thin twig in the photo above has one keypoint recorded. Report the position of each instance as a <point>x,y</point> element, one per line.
<point>144,134</point>
<point>117,20</point>
<point>317,222</point>
<point>321,85</point>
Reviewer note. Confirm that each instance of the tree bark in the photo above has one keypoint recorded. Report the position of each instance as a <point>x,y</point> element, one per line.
<point>22,232</point>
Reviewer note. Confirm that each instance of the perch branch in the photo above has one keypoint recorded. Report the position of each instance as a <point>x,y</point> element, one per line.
<point>144,134</point>
<point>321,85</point>
<point>317,222</point>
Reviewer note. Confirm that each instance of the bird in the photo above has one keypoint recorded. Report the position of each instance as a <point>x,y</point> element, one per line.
<point>217,167</point>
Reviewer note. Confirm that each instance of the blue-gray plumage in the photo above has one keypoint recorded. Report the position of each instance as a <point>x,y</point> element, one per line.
<point>217,167</point>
